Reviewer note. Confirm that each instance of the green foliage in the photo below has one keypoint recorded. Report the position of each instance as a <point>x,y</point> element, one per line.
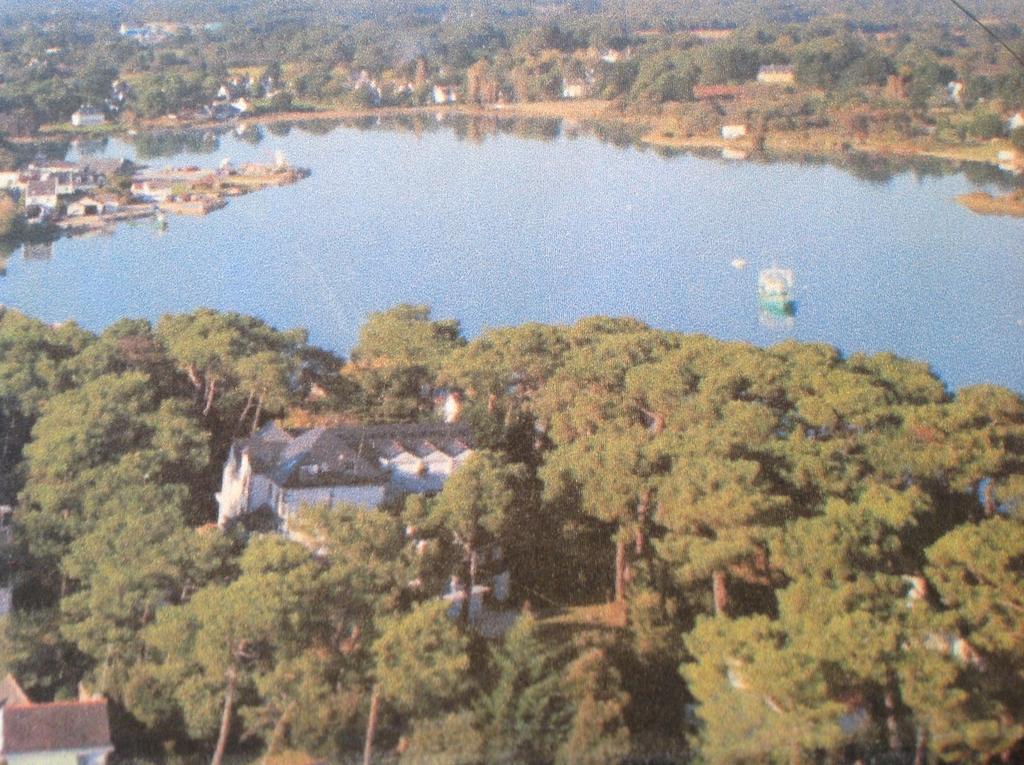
<point>450,740</point>
<point>859,523</point>
<point>597,733</point>
<point>528,712</point>
<point>88,444</point>
<point>422,661</point>
<point>398,356</point>
<point>1017,138</point>
<point>984,124</point>
<point>10,217</point>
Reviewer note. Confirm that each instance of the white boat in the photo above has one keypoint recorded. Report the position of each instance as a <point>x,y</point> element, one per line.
<point>775,292</point>
<point>775,282</point>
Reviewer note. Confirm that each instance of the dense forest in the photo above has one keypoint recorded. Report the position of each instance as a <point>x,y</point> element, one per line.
<point>719,552</point>
<point>314,55</point>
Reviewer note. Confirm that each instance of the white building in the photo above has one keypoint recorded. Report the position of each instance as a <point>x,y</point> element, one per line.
<point>574,88</point>
<point>778,74</point>
<point>444,94</point>
<point>275,473</point>
<point>734,132</point>
<point>42,194</point>
<point>153,189</point>
<point>88,116</point>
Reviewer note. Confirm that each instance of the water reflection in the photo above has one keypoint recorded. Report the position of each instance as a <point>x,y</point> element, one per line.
<point>875,169</point>
<point>90,147</point>
<point>166,143</point>
<point>37,251</point>
<point>776,315</point>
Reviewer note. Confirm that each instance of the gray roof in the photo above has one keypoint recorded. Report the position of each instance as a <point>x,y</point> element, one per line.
<point>42,188</point>
<point>348,455</point>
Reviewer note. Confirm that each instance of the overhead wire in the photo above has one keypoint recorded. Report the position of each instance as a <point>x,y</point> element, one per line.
<point>991,33</point>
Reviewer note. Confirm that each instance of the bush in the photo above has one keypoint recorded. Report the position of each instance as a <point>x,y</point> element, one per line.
<point>1017,138</point>
<point>985,125</point>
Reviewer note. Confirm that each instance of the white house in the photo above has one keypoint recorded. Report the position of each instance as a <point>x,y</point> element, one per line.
<point>1016,121</point>
<point>574,88</point>
<point>88,116</point>
<point>444,94</point>
<point>955,91</point>
<point>153,189</point>
<point>734,132</point>
<point>275,473</point>
<point>92,205</point>
<point>61,733</point>
<point>776,75</point>
<point>42,194</point>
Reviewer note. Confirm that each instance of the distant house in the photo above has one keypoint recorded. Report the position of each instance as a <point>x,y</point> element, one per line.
<point>777,74</point>
<point>66,182</point>
<point>575,88</point>
<point>61,733</point>
<point>717,92</point>
<point>9,179</point>
<point>92,205</point>
<point>1015,122</point>
<point>220,111</point>
<point>445,94</point>
<point>613,56</point>
<point>42,194</point>
<point>711,34</point>
<point>153,189</point>
<point>734,132</point>
<point>88,116</point>
<point>276,472</point>
<point>242,105</point>
<point>955,91</point>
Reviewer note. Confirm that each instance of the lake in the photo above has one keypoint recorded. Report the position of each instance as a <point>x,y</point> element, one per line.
<point>500,228</point>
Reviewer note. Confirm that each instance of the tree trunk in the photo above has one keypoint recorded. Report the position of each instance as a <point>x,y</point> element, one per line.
<point>257,415</point>
<point>193,377</point>
<point>921,747</point>
<point>720,590</point>
<point>620,570</point>
<point>469,583</point>
<point>211,391</point>
<point>989,499</point>
<point>277,736</point>
<point>371,725</point>
<point>892,726</point>
<point>225,719</point>
<point>248,407</point>
<point>643,509</point>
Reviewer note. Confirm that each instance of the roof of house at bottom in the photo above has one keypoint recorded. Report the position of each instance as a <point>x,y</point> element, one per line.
<point>61,725</point>
<point>347,455</point>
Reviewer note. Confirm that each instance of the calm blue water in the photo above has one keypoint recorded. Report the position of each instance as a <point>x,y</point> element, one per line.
<point>510,230</point>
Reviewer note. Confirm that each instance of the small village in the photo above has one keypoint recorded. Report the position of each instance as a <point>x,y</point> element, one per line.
<point>94,194</point>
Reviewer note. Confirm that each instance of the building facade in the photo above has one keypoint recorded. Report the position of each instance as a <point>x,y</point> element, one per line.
<point>275,473</point>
